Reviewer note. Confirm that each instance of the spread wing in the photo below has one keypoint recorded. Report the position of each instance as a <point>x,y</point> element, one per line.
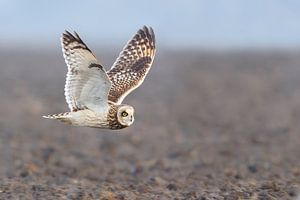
<point>132,65</point>
<point>87,84</point>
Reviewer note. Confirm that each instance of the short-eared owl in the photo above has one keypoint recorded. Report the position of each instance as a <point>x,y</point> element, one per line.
<point>95,96</point>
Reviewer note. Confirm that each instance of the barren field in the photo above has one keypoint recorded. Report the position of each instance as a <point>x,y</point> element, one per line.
<point>209,125</point>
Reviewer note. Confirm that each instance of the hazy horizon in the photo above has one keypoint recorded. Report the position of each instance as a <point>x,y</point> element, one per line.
<point>193,24</point>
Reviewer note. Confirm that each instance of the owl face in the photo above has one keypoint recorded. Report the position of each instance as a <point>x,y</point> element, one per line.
<point>125,115</point>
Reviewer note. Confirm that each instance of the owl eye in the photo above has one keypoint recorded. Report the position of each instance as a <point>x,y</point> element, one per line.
<point>124,114</point>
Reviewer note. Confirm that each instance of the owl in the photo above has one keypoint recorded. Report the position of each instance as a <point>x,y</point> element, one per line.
<point>94,95</point>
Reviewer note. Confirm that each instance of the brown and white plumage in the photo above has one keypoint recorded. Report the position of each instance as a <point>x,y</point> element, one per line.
<point>94,96</point>
<point>132,65</point>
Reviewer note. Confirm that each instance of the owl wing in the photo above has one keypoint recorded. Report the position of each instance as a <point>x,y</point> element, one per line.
<point>87,84</point>
<point>131,67</point>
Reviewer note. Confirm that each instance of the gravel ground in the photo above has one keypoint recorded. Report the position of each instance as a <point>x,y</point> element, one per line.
<point>209,125</point>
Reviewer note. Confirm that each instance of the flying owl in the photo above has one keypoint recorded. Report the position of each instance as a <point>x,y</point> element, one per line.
<point>95,96</point>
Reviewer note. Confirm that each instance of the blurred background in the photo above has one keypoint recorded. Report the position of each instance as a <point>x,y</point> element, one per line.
<point>197,24</point>
<point>217,116</point>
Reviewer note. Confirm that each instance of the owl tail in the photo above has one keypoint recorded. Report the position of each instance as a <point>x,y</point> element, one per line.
<point>64,117</point>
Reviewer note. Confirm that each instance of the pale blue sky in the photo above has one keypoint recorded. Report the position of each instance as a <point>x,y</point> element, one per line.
<point>195,23</point>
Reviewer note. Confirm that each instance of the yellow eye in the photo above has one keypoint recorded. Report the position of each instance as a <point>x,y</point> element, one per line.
<point>124,114</point>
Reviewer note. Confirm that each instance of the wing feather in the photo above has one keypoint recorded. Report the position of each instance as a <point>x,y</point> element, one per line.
<point>87,84</point>
<point>132,65</point>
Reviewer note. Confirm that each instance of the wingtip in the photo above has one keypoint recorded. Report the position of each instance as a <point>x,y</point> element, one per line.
<point>77,36</point>
<point>149,32</point>
<point>66,32</point>
<point>67,35</point>
<point>147,29</point>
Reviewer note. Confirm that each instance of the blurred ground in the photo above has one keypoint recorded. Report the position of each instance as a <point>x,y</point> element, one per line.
<point>209,125</point>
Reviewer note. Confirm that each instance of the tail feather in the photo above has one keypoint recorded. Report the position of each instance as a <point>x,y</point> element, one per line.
<point>63,117</point>
<point>57,116</point>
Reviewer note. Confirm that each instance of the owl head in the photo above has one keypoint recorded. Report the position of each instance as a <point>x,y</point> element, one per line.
<point>125,115</point>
